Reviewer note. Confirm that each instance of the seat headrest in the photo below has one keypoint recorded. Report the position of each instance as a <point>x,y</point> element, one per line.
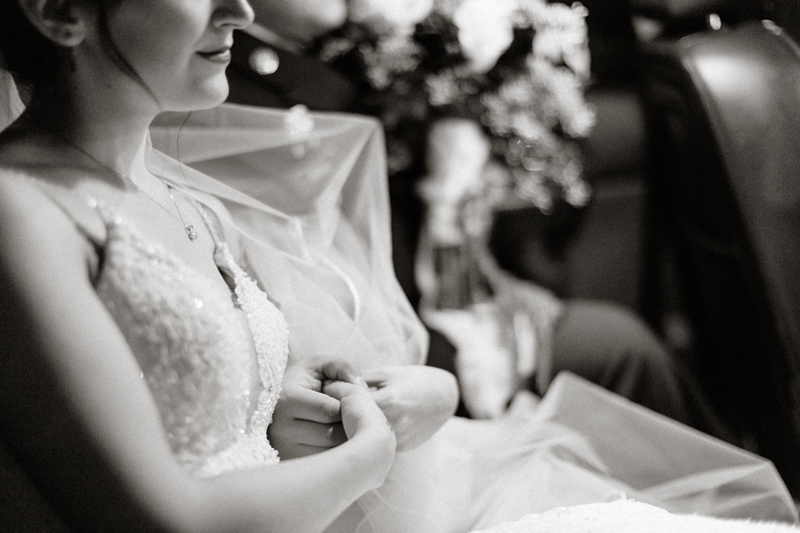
<point>672,11</point>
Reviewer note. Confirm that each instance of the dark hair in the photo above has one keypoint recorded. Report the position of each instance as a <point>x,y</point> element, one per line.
<point>35,59</point>
<point>28,54</point>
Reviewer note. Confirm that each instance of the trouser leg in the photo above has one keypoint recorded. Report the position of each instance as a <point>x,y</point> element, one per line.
<point>612,347</point>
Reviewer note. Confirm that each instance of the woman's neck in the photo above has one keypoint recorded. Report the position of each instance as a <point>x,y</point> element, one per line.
<point>102,123</point>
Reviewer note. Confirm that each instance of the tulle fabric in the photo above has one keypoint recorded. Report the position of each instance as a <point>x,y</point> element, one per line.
<point>308,194</point>
<point>581,444</point>
<point>311,203</point>
<point>322,251</point>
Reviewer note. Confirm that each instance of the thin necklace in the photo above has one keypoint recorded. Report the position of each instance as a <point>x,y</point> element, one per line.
<point>188,228</point>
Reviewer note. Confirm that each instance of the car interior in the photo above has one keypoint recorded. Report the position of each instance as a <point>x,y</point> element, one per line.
<point>694,220</point>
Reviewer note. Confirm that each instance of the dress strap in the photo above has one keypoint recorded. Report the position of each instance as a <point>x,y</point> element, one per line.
<point>222,230</point>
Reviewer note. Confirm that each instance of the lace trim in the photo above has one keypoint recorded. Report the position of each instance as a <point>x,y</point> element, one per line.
<point>270,334</point>
<point>179,336</point>
<point>203,445</point>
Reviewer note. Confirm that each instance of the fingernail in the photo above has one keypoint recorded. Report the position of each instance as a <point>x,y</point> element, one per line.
<point>361,381</point>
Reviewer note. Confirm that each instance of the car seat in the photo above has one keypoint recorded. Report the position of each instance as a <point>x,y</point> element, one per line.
<point>722,97</point>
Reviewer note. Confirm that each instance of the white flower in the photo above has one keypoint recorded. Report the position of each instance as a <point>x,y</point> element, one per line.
<point>561,35</point>
<point>442,88</point>
<point>391,16</point>
<point>393,54</point>
<point>566,98</point>
<point>485,30</point>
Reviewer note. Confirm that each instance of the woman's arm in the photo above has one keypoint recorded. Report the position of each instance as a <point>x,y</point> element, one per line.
<point>300,20</point>
<point>79,418</point>
<point>313,490</point>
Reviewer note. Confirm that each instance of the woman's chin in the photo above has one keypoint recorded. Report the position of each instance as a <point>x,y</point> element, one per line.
<point>210,96</point>
<point>215,93</point>
<point>218,99</point>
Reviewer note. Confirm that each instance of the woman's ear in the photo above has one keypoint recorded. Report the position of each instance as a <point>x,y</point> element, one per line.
<point>58,20</point>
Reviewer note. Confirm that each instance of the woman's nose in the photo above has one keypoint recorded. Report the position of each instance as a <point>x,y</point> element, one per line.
<point>234,13</point>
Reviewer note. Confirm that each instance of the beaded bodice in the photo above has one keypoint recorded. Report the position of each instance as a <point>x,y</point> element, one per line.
<point>197,345</point>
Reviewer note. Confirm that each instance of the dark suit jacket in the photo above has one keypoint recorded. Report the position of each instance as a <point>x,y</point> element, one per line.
<point>298,79</point>
<point>301,79</point>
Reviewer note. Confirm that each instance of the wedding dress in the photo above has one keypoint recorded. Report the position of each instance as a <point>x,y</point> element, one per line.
<point>197,344</point>
<point>322,256</point>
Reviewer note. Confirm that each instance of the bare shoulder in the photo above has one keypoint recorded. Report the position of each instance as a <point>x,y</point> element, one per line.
<point>34,229</point>
<point>20,201</point>
<point>24,206</point>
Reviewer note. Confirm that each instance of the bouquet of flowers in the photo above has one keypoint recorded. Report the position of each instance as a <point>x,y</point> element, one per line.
<point>482,102</point>
<point>518,68</point>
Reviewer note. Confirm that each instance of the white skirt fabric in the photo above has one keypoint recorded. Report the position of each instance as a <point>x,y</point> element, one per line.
<point>628,516</point>
<point>579,445</point>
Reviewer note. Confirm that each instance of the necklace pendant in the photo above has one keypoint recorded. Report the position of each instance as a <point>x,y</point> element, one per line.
<point>190,232</point>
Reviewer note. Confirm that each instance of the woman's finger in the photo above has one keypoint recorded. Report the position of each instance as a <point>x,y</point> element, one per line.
<point>305,433</point>
<point>375,377</point>
<point>339,370</point>
<point>300,450</point>
<point>306,404</point>
<point>341,389</point>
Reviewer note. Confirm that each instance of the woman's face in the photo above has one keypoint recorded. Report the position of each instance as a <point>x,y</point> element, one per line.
<point>180,48</point>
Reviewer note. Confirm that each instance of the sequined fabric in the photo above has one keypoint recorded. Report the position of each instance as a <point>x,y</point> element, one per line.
<point>195,343</point>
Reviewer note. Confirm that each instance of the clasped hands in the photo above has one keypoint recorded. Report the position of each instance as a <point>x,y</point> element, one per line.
<point>416,400</point>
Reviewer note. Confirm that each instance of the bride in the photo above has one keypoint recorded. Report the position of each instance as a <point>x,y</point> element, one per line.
<point>134,394</point>
<point>148,312</point>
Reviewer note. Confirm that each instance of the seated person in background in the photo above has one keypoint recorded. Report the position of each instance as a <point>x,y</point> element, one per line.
<point>143,359</point>
<point>301,20</point>
<point>600,341</point>
<point>268,67</point>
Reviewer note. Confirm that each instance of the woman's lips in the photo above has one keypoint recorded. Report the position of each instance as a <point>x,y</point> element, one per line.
<point>221,55</point>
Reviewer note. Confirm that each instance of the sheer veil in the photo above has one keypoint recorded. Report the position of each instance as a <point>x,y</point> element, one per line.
<point>308,195</point>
